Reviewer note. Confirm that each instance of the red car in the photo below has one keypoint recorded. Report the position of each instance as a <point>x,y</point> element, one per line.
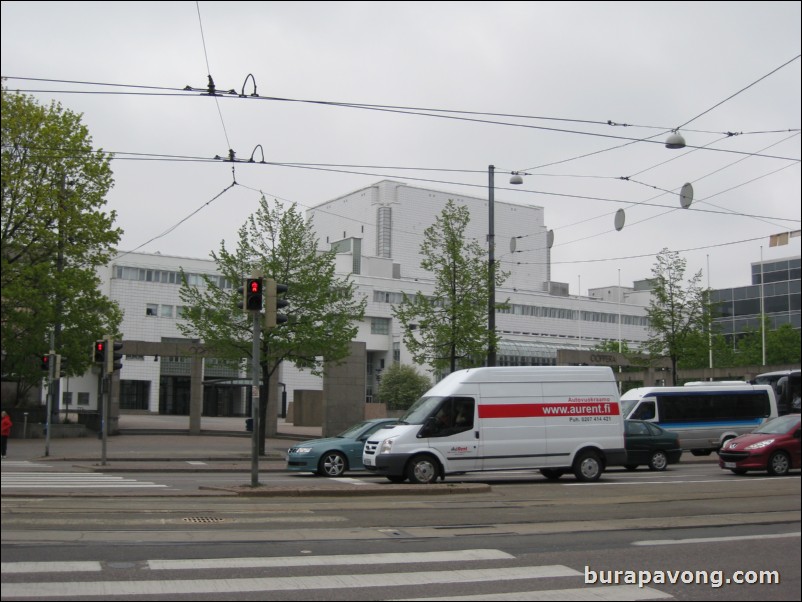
<point>773,447</point>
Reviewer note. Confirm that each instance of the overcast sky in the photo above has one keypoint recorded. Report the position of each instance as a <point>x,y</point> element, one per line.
<point>550,76</point>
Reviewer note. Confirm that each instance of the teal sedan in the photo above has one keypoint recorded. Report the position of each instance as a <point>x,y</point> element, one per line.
<point>649,444</point>
<point>332,456</point>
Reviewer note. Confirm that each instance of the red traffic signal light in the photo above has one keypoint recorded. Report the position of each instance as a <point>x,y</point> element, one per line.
<point>99,354</point>
<point>44,363</point>
<point>253,294</point>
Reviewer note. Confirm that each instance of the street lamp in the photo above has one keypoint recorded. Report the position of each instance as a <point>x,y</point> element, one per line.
<point>675,140</point>
<point>491,262</point>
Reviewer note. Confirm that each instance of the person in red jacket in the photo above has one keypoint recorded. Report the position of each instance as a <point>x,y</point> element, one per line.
<point>5,431</point>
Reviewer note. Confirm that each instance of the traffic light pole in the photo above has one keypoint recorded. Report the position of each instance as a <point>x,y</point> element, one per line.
<point>50,402</point>
<point>104,419</point>
<point>255,374</point>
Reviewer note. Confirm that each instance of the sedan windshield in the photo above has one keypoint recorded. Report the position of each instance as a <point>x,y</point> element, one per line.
<point>778,425</point>
<point>352,432</point>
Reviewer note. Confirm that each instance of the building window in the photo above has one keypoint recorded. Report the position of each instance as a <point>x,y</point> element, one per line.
<point>152,310</point>
<point>384,232</point>
<point>380,326</point>
<point>166,311</point>
<point>83,399</point>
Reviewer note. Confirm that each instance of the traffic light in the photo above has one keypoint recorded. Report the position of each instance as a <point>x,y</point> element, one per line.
<point>44,362</point>
<point>113,359</point>
<point>253,294</point>
<point>274,303</point>
<point>99,353</point>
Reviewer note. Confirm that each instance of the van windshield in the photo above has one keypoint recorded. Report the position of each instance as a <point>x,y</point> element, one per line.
<point>627,405</point>
<point>421,410</point>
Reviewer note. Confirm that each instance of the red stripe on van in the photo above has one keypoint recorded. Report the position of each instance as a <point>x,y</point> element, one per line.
<point>531,410</point>
<point>509,410</point>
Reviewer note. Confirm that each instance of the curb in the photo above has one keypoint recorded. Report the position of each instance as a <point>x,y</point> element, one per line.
<point>356,490</point>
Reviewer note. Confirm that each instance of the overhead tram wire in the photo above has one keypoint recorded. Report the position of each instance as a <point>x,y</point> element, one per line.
<point>209,71</point>
<point>441,114</point>
<point>646,202</point>
<point>772,72</point>
<point>641,256</point>
<point>325,167</point>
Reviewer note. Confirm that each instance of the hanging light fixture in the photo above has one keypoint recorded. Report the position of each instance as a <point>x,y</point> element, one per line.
<point>675,140</point>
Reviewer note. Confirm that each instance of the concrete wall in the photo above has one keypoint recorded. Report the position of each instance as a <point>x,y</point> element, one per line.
<point>307,408</point>
<point>344,391</point>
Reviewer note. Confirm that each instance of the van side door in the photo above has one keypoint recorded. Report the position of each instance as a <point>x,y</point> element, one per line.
<point>451,431</point>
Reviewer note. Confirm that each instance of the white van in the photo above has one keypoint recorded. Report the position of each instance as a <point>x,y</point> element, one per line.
<point>704,417</point>
<point>552,418</point>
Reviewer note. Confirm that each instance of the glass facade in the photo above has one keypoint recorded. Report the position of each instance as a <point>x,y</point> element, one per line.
<point>738,309</point>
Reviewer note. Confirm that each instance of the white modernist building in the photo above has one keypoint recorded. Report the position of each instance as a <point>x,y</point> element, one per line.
<point>377,232</point>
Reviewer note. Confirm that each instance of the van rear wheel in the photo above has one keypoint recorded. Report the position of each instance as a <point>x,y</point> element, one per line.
<point>423,470</point>
<point>588,467</point>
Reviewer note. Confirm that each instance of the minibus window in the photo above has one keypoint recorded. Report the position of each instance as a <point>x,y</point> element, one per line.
<point>645,411</point>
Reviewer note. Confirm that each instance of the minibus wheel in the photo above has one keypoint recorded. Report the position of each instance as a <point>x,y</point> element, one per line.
<point>551,474</point>
<point>423,470</point>
<point>588,466</point>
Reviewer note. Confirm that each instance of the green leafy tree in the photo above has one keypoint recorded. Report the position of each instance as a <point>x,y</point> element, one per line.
<point>696,353</point>
<point>612,346</point>
<point>401,386</point>
<point>677,315</point>
<point>323,309</point>
<point>55,234</point>
<point>452,321</point>
<point>782,346</point>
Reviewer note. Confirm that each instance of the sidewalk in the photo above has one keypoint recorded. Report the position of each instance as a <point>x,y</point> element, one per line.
<point>163,444</point>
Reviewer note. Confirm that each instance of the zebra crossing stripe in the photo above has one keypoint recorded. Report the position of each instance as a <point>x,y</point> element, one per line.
<point>333,560</point>
<point>50,567</point>
<point>227,587</point>
<point>625,593</point>
<point>56,480</point>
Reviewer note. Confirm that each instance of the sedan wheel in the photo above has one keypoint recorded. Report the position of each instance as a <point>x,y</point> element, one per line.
<point>659,461</point>
<point>332,464</point>
<point>779,464</point>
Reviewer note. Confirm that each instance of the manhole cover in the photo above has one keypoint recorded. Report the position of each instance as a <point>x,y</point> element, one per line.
<point>203,519</point>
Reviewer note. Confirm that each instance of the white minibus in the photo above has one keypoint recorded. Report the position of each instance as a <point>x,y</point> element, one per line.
<point>704,417</point>
<point>555,419</point>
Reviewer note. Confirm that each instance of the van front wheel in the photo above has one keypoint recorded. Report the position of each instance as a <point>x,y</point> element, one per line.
<point>422,469</point>
<point>588,467</point>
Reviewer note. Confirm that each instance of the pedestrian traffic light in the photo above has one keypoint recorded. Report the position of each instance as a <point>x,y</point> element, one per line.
<point>99,353</point>
<point>113,359</point>
<point>274,303</point>
<point>253,294</point>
